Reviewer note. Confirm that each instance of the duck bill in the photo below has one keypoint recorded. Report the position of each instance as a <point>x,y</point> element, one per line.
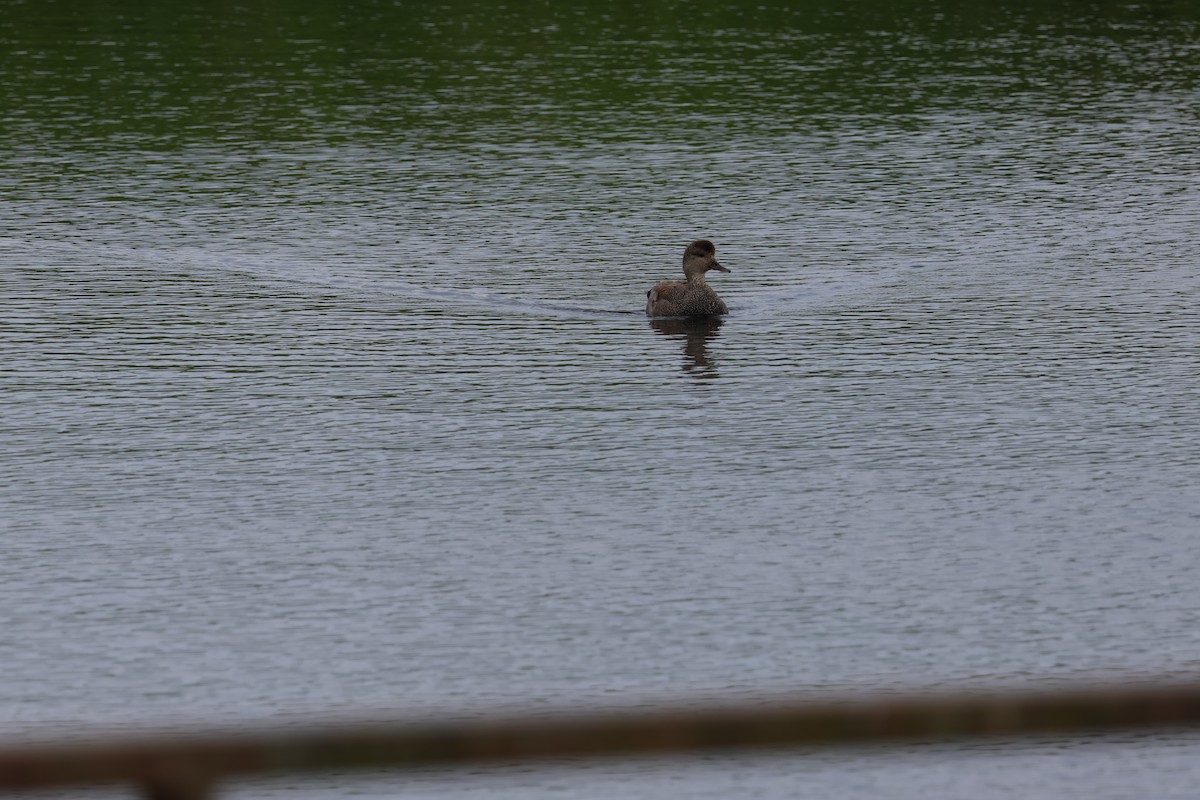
<point>718,267</point>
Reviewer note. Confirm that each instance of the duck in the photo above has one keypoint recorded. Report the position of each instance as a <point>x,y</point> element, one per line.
<point>692,297</point>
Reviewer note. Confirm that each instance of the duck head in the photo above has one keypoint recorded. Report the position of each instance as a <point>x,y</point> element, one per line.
<point>699,257</point>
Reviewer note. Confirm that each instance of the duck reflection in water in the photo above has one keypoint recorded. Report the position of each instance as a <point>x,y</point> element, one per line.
<point>695,332</point>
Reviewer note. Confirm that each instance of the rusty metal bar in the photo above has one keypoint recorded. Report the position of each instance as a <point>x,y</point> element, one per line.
<point>187,767</point>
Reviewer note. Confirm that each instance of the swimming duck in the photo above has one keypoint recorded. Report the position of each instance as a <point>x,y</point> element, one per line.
<point>693,297</point>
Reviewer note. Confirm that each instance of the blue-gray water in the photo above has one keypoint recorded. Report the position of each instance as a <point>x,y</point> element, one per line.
<point>325,385</point>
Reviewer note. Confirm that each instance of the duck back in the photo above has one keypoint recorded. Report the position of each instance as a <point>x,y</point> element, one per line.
<point>683,299</point>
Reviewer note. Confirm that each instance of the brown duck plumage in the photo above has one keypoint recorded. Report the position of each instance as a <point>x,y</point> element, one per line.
<point>692,297</point>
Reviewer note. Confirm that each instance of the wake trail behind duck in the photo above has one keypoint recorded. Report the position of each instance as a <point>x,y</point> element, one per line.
<point>280,272</point>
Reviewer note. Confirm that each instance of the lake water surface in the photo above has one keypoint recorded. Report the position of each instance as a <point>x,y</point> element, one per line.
<point>325,385</point>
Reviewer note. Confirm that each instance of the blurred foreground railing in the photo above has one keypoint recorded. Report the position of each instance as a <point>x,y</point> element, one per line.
<point>188,768</point>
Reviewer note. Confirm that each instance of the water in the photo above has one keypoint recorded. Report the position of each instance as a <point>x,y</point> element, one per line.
<point>325,385</point>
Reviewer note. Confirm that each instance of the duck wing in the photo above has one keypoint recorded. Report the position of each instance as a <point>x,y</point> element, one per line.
<point>664,299</point>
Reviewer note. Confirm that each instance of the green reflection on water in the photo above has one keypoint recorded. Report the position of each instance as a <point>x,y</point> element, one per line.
<point>130,74</point>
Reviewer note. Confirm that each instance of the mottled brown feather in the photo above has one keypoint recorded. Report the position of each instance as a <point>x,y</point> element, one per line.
<point>682,299</point>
